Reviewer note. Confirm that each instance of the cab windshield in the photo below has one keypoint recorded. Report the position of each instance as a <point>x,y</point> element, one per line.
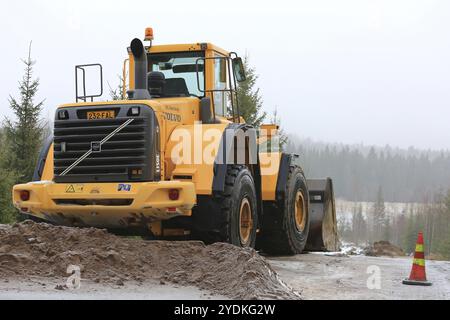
<point>180,70</point>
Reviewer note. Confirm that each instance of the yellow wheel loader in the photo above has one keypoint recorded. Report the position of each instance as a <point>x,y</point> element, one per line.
<point>176,161</point>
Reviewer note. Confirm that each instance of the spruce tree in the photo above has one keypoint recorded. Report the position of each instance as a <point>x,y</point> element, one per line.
<point>249,97</point>
<point>410,236</point>
<point>447,203</point>
<point>7,180</point>
<point>443,245</point>
<point>379,216</point>
<point>359,225</point>
<point>282,135</point>
<point>118,93</point>
<point>25,133</point>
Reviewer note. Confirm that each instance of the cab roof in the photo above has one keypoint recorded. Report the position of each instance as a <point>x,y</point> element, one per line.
<point>187,47</point>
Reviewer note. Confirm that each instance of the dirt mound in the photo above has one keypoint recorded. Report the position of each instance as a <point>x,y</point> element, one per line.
<point>384,248</point>
<point>30,249</point>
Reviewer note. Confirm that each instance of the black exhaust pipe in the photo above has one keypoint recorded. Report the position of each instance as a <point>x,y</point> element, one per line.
<point>140,91</point>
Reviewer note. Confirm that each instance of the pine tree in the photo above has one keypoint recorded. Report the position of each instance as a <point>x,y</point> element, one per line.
<point>443,236</point>
<point>410,236</point>
<point>379,216</point>
<point>7,180</point>
<point>443,247</point>
<point>282,135</point>
<point>359,224</point>
<point>387,229</point>
<point>25,133</point>
<point>118,92</point>
<point>447,203</point>
<point>249,97</point>
<point>344,229</point>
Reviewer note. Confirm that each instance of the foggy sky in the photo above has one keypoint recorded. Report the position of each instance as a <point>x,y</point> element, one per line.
<point>376,72</point>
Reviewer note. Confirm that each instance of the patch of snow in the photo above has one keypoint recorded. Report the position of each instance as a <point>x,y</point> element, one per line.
<point>347,249</point>
<point>351,249</point>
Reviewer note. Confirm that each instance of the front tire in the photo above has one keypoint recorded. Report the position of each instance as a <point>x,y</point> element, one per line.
<point>232,213</point>
<point>285,226</point>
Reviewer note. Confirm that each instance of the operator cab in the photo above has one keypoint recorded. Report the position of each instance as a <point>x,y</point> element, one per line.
<point>175,74</point>
<point>201,70</point>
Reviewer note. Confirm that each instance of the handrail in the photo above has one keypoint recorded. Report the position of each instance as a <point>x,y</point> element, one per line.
<point>85,97</point>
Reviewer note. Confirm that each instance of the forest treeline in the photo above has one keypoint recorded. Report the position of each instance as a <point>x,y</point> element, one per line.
<point>366,226</point>
<point>359,171</point>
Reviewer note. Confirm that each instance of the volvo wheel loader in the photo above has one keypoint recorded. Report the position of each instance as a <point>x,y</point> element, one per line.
<point>175,160</point>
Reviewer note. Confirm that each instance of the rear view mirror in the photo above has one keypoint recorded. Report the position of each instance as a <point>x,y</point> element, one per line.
<point>239,71</point>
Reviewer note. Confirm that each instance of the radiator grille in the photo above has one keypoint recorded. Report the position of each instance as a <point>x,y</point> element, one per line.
<point>128,156</point>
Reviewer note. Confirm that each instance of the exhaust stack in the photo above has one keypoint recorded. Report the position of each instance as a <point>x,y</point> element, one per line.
<point>140,91</point>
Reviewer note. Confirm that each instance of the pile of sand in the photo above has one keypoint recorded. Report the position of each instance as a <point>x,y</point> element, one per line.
<point>30,249</point>
<point>384,249</point>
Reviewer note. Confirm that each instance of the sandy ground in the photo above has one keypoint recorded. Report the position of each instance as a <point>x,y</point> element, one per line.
<point>30,251</point>
<point>319,277</point>
<point>316,276</point>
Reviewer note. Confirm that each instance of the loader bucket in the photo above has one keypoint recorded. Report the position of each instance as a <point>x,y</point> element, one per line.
<point>323,235</point>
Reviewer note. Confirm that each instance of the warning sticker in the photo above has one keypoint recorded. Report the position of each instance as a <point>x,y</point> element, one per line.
<point>75,188</point>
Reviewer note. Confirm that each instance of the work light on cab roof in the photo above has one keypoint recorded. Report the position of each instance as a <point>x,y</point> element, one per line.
<point>149,34</point>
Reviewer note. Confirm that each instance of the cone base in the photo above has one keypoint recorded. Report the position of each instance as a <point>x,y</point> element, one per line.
<point>409,282</point>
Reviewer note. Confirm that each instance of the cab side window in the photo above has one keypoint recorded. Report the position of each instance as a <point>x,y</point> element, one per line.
<point>220,83</point>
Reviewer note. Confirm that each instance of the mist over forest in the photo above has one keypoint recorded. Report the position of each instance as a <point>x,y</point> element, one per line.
<point>359,171</point>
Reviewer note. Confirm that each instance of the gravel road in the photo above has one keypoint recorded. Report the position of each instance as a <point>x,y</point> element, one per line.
<point>318,277</point>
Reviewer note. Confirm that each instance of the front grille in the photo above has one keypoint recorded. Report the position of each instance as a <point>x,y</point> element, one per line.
<point>128,156</point>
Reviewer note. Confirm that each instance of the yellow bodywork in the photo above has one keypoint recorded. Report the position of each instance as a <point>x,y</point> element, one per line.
<point>270,165</point>
<point>149,202</point>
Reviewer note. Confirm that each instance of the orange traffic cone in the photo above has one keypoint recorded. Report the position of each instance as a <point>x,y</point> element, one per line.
<point>418,275</point>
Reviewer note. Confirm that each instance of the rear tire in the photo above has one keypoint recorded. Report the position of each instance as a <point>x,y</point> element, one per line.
<point>285,226</point>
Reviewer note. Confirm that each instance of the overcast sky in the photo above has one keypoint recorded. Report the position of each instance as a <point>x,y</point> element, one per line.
<point>369,71</point>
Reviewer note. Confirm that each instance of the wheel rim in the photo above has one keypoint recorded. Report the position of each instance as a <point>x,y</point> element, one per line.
<point>300,212</point>
<point>246,222</point>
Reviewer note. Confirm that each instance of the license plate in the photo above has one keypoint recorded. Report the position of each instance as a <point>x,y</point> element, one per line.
<point>98,115</point>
